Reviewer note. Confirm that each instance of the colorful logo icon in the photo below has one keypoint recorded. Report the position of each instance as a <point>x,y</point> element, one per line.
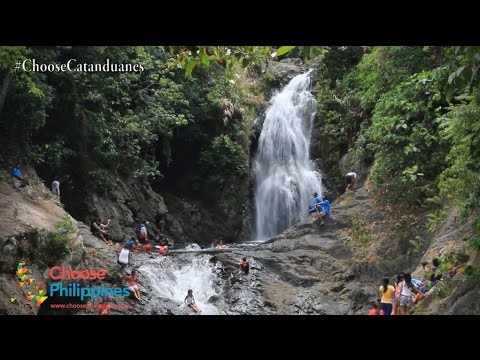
<point>32,290</point>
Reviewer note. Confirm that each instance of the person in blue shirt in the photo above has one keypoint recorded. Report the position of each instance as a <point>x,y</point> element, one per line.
<point>316,200</point>
<point>324,212</point>
<point>17,173</point>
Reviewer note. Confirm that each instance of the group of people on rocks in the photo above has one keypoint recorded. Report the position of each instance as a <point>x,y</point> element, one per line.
<point>142,243</point>
<point>399,298</point>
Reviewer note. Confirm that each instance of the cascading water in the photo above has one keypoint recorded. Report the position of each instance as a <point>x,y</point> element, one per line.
<point>284,174</point>
<point>173,280</point>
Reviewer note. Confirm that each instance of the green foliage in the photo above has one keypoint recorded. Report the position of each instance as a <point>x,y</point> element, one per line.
<point>417,244</point>
<point>101,181</point>
<point>409,154</point>
<point>59,239</point>
<point>472,272</point>
<point>435,219</point>
<point>283,50</point>
<point>357,233</point>
<point>27,98</point>
<point>222,160</point>
<point>460,181</point>
<point>443,289</point>
<point>229,57</point>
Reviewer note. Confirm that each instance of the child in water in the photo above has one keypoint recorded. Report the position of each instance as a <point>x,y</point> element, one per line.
<point>190,302</point>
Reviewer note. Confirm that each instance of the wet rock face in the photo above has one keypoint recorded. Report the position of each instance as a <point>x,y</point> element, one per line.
<point>286,69</point>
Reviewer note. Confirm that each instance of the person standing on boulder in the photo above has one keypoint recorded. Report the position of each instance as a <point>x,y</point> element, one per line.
<point>245,266</point>
<point>56,188</point>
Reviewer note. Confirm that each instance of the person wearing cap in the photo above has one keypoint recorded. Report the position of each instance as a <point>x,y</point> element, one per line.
<point>316,200</point>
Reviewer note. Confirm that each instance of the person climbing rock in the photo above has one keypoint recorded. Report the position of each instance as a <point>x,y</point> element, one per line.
<point>316,200</point>
<point>351,179</point>
<point>323,209</point>
<point>142,233</point>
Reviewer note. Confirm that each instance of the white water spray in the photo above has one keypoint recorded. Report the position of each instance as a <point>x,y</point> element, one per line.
<point>173,283</point>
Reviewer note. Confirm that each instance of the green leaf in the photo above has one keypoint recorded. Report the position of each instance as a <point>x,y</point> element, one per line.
<point>204,58</point>
<point>191,65</point>
<point>451,77</point>
<point>284,49</point>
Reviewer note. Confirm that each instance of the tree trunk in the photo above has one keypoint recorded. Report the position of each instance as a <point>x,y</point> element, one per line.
<point>3,91</point>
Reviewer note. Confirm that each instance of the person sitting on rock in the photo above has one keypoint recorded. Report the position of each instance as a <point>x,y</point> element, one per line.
<point>104,227</point>
<point>323,210</point>
<point>132,284</point>
<point>190,302</point>
<point>131,244</point>
<point>147,247</point>
<point>316,200</point>
<point>163,250</point>
<point>245,266</point>
<point>221,245</point>
<point>375,309</point>
<point>98,232</point>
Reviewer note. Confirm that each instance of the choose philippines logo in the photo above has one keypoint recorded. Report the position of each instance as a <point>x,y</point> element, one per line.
<point>76,289</point>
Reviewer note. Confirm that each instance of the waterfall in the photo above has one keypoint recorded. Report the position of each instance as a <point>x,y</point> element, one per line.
<point>284,174</point>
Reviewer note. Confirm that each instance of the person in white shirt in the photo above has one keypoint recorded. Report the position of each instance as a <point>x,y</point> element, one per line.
<point>56,188</point>
<point>351,179</point>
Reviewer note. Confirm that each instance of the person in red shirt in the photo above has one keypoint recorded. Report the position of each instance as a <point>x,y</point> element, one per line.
<point>104,307</point>
<point>376,309</point>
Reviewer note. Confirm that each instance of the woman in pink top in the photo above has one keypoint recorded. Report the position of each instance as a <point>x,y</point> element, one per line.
<point>398,291</point>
